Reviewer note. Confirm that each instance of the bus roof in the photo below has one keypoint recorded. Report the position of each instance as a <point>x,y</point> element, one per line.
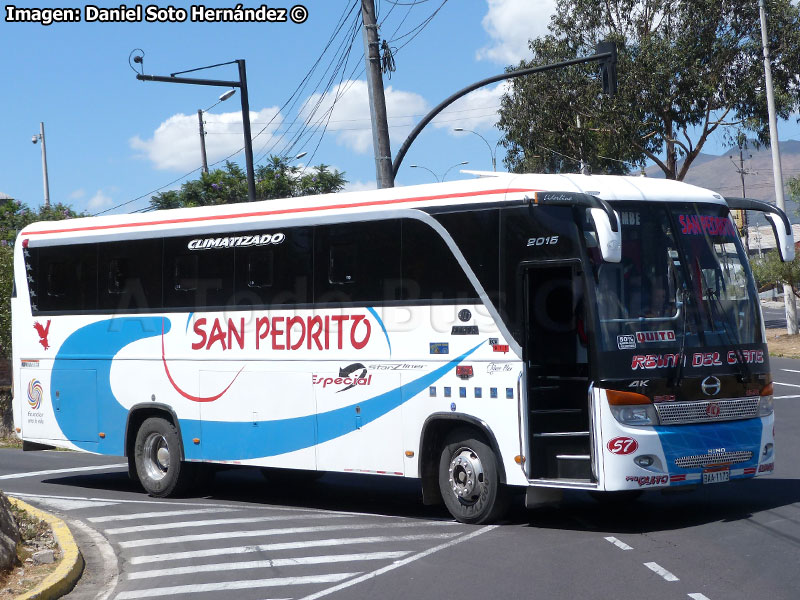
<point>499,187</point>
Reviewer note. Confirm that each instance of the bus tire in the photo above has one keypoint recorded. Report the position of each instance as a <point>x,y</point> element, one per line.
<point>469,480</point>
<point>157,455</point>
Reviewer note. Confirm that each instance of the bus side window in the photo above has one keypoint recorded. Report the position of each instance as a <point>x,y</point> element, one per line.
<point>117,275</point>
<point>356,262</point>
<point>342,263</point>
<point>63,278</point>
<point>260,269</point>
<point>184,273</point>
<point>57,279</point>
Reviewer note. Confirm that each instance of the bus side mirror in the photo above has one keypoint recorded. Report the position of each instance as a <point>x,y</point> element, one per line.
<point>608,240</point>
<point>777,218</point>
<point>606,219</point>
<point>783,239</point>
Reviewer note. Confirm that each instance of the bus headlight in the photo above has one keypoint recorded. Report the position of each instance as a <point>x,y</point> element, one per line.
<point>631,408</point>
<point>643,414</point>
<point>766,404</point>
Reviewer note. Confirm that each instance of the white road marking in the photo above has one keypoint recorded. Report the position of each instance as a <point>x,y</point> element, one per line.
<point>656,568</point>
<point>232,585</point>
<point>170,502</point>
<point>699,596</point>
<point>792,396</point>
<point>400,563</point>
<point>264,564</point>
<point>210,522</point>
<point>252,533</point>
<point>786,384</point>
<point>166,513</point>
<point>791,370</point>
<point>159,558</point>
<point>619,544</point>
<point>59,471</point>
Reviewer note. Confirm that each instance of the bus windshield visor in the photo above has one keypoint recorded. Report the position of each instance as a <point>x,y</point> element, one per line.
<point>683,279</point>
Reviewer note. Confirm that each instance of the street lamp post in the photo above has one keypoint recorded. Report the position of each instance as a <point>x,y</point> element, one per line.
<point>492,151</point>
<point>45,179</point>
<point>242,85</point>
<point>465,162</point>
<point>222,98</point>
<point>438,179</point>
<point>428,170</point>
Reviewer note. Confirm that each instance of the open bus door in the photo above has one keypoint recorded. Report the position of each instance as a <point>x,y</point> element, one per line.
<point>556,358</point>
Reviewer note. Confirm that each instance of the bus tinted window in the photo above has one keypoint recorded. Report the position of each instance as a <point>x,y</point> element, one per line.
<point>129,275</point>
<point>64,279</point>
<point>195,278</point>
<point>275,274</point>
<point>356,262</point>
<point>430,271</point>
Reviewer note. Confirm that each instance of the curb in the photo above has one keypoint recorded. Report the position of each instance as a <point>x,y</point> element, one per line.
<point>69,570</point>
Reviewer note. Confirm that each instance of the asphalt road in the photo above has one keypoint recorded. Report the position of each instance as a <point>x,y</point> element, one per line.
<point>775,314</point>
<point>362,537</point>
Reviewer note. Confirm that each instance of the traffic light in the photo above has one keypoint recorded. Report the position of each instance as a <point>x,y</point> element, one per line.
<point>608,67</point>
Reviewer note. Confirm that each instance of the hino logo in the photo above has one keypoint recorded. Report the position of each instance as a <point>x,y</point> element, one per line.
<point>710,386</point>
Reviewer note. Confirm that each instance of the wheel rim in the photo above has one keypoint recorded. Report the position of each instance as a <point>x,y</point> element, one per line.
<point>156,456</point>
<point>466,475</point>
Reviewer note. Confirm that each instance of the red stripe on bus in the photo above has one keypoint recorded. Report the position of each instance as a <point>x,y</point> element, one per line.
<point>265,213</point>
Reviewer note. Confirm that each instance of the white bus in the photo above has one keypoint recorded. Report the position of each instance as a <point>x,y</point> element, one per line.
<point>531,331</point>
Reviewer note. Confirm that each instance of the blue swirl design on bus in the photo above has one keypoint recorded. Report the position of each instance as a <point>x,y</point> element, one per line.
<point>95,347</point>
<point>374,313</point>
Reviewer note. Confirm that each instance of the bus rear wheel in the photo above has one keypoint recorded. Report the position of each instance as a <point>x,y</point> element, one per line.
<point>158,459</point>
<point>469,481</point>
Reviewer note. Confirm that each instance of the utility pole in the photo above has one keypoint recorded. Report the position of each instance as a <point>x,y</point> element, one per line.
<point>788,293</point>
<point>241,84</point>
<point>377,99</point>
<point>202,140</point>
<point>45,179</point>
<point>742,172</point>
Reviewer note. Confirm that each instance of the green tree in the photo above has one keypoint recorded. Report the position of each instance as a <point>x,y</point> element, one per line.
<point>687,69</point>
<point>794,188</point>
<point>769,269</point>
<point>14,215</point>
<point>276,179</point>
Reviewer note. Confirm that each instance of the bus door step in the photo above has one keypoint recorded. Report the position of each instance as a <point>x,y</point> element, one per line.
<point>573,466</point>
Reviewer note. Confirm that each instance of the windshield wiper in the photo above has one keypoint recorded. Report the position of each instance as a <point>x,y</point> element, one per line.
<point>716,305</point>
<point>679,367</point>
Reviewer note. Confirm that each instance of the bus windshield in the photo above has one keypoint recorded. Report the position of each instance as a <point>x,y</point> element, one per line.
<point>683,280</point>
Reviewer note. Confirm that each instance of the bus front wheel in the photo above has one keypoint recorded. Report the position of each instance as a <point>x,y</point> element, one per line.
<point>469,480</point>
<point>158,458</point>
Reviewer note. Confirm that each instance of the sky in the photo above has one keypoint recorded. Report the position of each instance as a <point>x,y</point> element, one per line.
<point>112,141</point>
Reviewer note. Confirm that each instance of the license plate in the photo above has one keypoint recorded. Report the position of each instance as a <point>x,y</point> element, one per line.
<point>716,476</point>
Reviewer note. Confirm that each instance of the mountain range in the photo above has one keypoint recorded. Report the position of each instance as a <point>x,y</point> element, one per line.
<point>720,173</point>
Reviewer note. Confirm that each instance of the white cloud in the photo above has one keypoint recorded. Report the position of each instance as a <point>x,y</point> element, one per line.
<point>360,186</point>
<point>350,120</point>
<point>77,194</point>
<point>175,144</point>
<point>510,24</point>
<point>476,110</point>
<point>98,201</point>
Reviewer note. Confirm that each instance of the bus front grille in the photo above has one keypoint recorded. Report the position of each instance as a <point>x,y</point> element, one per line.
<point>678,413</point>
<point>718,458</point>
